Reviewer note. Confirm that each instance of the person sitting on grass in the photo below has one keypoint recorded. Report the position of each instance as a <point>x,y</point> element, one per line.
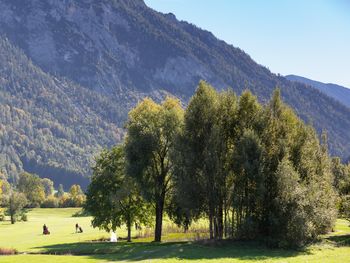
<point>45,230</point>
<point>80,229</point>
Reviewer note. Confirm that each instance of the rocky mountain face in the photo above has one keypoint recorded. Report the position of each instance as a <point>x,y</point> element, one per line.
<point>340,93</point>
<point>101,56</point>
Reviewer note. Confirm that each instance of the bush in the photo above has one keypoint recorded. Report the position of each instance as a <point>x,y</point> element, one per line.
<point>50,202</point>
<point>65,201</point>
<point>24,217</point>
<point>68,201</point>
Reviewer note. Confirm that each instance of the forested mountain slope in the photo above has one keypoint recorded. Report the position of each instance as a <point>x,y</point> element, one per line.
<point>107,54</point>
<point>49,126</point>
<point>340,93</point>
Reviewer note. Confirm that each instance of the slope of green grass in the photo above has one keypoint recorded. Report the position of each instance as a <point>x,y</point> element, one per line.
<point>28,237</point>
<point>64,245</point>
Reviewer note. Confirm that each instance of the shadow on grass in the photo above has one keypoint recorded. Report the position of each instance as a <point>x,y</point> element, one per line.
<point>341,240</point>
<point>168,250</point>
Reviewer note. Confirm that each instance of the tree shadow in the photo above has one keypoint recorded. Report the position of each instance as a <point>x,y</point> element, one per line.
<point>123,251</point>
<point>341,240</point>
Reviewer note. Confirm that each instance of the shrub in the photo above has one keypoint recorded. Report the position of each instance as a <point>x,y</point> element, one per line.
<point>24,217</point>
<point>50,202</point>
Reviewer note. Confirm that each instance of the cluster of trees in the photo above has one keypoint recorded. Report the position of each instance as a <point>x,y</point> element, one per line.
<point>254,171</point>
<point>32,191</point>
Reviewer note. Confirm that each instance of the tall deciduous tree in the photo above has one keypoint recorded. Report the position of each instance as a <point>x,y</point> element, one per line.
<point>15,203</point>
<point>48,186</point>
<point>199,173</point>
<point>31,186</point>
<point>113,198</point>
<point>152,129</point>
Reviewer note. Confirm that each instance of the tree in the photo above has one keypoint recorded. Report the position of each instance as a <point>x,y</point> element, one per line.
<point>60,191</point>
<point>113,197</point>
<point>263,160</point>
<point>48,186</point>
<point>152,129</point>
<point>199,178</point>
<point>293,225</point>
<point>77,196</point>
<point>15,204</point>
<point>248,190</point>
<point>31,186</point>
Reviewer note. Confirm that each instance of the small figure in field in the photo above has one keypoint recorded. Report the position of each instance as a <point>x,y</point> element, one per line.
<point>45,230</point>
<point>78,228</point>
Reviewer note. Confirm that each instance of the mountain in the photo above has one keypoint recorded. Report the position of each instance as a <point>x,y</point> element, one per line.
<point>49,126</point>
<point>337,92</point>
<point>70,71</point>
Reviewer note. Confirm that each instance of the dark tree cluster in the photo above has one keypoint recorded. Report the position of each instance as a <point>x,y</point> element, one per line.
<point>254,171</point>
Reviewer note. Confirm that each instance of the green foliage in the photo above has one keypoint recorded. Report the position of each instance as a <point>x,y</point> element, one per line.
<point>258,171</point>
<point>45,139</point>
<point>15,205</point>
<point>60,191</point>
<point>77,196</point>
<point>31,186</point>
<point>50,202</point>
<point>152,129</point>
<point>48,186</point>
<point>113,198</point>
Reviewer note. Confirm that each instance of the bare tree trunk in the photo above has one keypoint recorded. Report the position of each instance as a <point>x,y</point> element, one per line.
<point>220,222</point>
<point>211,225</point>
<point>129,229</point>
<point>159,220</point>
<point>13,219</point>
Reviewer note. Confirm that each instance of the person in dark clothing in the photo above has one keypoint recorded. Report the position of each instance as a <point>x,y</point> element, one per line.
<point>80,230</point>
<point>45,230</point>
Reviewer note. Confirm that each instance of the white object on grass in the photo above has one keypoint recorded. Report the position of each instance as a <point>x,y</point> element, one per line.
<point>113,237</point>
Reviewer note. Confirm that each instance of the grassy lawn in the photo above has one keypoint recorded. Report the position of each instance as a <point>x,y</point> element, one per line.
<point>64,245</point>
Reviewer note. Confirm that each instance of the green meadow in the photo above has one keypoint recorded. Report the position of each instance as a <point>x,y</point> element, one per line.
<point>64,245</point>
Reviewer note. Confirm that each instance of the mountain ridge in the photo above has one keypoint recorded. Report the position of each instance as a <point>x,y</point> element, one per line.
<point>338,92</point>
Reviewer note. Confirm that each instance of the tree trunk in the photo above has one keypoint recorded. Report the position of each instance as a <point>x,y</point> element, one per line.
<point>225,219</point>
<point>220,222</point>
<point>159,220</point>
<point>211,225</point>
<point>13,218</point>
<point>129,230</point>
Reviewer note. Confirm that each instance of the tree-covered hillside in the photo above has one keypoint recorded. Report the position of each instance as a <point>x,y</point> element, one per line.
<point>340,93</point>
<point>50,126</point>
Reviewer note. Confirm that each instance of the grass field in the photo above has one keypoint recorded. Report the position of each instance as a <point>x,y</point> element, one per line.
<point>64,245</point>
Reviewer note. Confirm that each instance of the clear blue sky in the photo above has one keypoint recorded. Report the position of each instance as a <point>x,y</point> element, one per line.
<point>310,38</point>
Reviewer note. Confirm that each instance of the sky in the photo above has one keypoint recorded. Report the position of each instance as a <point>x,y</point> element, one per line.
<point>310,38</point>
